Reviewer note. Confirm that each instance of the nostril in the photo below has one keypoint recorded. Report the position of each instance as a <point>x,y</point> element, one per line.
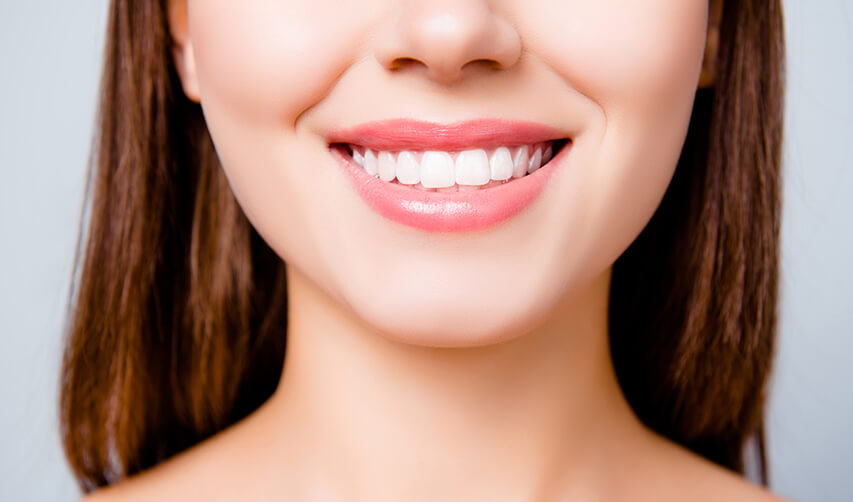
<point>444,73</point>
<point>403,62</point>
<point>488,63</point>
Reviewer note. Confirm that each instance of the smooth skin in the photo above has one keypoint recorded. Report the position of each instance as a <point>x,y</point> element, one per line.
<point>451,367</point>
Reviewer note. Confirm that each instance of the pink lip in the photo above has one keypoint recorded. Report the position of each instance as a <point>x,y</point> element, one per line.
<point>439,211</point>
<point>406,134</point>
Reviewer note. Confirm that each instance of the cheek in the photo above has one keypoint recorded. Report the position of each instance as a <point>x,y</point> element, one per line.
<point>270,60</point>
<point>260,65</point>
<point>639,61</point>
<point>624,52</point>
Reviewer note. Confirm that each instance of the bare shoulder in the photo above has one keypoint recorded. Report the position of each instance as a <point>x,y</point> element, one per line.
<point>237,463</point>
<point>692,477</point>
<point>194,475</point>
<point>234,464</point>
<point>737,488</point>
<point>160,483</point>
<point>109,495</point>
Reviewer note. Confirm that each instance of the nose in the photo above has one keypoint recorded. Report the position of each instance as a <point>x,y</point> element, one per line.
<point>444,37</point>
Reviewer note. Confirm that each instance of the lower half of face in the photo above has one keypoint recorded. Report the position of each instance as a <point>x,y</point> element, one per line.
<point>351,132</point>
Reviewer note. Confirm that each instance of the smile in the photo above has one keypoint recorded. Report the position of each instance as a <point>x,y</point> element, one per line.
<point>464,177</point>
<point>451,171</point>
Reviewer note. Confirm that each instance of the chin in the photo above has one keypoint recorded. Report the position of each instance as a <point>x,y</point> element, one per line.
<point>453,314</point>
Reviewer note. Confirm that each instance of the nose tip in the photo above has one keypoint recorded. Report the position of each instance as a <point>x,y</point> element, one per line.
<point>444,37</point>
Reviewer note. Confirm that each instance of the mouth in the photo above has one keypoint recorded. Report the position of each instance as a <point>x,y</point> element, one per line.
<point>462,177</point>
<point>450,171</point>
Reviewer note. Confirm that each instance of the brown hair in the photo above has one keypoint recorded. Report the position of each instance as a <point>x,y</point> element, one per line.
<point>178,317</point>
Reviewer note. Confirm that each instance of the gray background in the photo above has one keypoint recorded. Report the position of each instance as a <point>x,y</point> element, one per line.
<point>49,61</point>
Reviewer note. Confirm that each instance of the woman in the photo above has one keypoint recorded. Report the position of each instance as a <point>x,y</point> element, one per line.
<point>445,250</point>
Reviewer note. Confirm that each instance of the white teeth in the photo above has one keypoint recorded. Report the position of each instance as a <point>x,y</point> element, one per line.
<point>501,164</point>
<point>408,169</point>
<point>521,162</point>
<point>358,158</point>
<point>437,170</point>
<point>370,164</point>
<point>535,161</point>
<point>387,166</point>
<point>450,172</point>
<point>472,168</point>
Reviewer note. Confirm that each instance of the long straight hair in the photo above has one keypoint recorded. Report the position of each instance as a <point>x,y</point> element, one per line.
<point>178,316</point>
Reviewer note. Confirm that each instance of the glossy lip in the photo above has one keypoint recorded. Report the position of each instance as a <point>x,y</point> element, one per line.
<point>446,211</point>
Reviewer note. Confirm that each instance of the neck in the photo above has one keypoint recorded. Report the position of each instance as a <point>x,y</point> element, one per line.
<point>504,421</point>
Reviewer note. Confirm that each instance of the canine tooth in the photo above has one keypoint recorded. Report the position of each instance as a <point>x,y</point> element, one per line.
<point>387,166</point>
<point>408,170</point>
<point>358,157</point>
<point>472,168</point>
<point>535,161</point>
<point>548,154</point>
<point>521,162</point>
<point>437,170</point>
<point>370,163</point>
<point>501,164</point>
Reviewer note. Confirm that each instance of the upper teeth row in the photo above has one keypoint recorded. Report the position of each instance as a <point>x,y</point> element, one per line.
<point>435,169</point>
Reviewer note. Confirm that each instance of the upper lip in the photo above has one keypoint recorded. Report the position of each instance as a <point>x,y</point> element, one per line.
<point>407,134</point>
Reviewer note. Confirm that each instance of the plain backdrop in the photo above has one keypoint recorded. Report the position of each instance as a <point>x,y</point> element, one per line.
<point>50,54</point>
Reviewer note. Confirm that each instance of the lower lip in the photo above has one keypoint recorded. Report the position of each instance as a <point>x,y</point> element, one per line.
<point>452,211</point>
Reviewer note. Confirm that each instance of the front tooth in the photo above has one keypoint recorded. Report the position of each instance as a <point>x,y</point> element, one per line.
<point>358,158</point>
<point>521,162</point>
<point>472,168</point>
<point>387,166</point>
<point>501,164</point>
<point>535,161</point>
<point>370,163</point>
<point>437,170</point>
<point>408,170</point>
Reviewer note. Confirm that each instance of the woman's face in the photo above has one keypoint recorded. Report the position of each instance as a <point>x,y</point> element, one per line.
<point>295,93</point>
